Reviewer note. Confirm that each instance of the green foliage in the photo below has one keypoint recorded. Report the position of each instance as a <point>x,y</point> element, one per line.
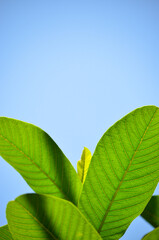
<point>153,235</point>
<point>33,216</point>
<point>5,233</point>
<point>111,189</point>
<point>151,212</point>
<point>38,159</point>
<point>123,173</point>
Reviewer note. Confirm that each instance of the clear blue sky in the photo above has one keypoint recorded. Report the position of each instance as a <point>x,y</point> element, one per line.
<point>74,68</point>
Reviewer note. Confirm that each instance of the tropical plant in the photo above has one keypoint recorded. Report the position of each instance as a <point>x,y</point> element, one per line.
<point>111,189</point>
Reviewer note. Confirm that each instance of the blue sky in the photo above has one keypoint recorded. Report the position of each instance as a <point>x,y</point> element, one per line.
<point>74,68</point>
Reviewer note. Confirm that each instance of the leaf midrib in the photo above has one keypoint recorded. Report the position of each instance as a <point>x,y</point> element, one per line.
<point>25,155</point>
<point>118,188</point>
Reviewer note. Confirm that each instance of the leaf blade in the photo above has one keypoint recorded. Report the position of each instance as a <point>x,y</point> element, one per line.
<point>153,235</point>
<point>83,164</point>
<point>110,197</point>
<point>38,159</point>
<point>151,212</point>
<point>5,233</point>
<point>47,217</point>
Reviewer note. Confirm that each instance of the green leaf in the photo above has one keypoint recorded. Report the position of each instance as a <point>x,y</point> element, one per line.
<point>5,233</point>
<point>38,159</point>
<point>151,212</point>
<point>123,173</point>
<point>83,164</point>
<point>34,216</point>
<point>153,235</point>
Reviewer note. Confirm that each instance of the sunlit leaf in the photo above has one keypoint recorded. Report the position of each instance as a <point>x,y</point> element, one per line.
<point>151,212</point>
<point>83,164</point>
<point>123,173</point>
<point>34,216</point>
<point>5,233</point>
<point>38,159</point>
<point>153,235</point>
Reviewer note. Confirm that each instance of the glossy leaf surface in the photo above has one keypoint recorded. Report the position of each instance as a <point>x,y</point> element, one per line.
<point>153,235</point>
<point>151,212</point>
<point>123,173</point>
<point>38,159</point>
<point>5,233</point>
<point>34,216</point>
<point>83,164</point>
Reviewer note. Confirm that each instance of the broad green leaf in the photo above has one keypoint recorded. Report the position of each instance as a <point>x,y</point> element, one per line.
<point>123,173</point>
<point>5,233</point>
<point>153,235</point>
<point>151,212</point>
<point>34,216</point>
<point>38,159</point>
<point>83,164</point>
